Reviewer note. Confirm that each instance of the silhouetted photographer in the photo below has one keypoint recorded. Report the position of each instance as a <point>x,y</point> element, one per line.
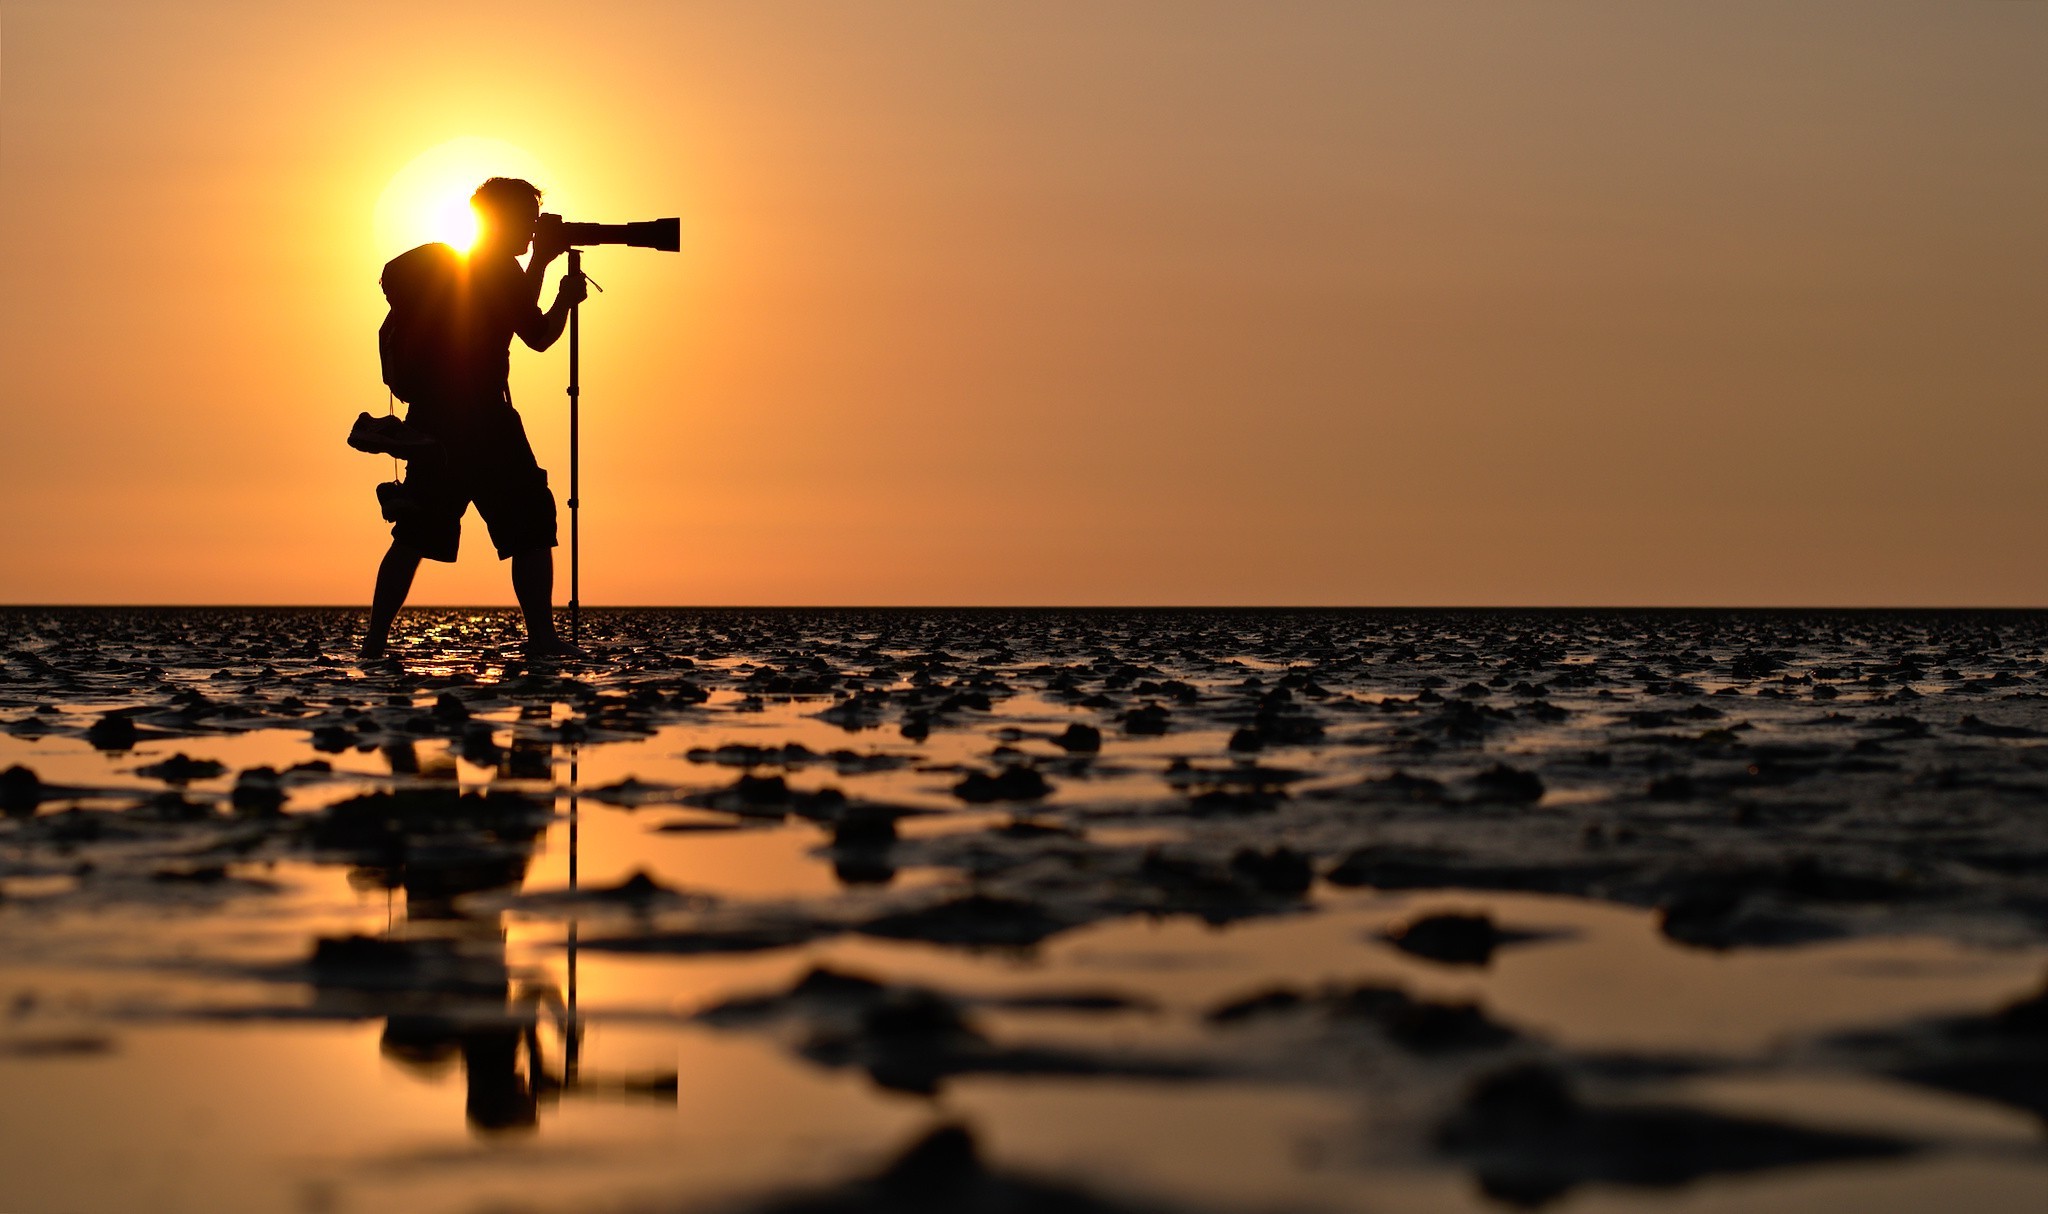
<point>446,348</point>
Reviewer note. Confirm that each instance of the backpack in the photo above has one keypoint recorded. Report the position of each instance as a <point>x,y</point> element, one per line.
<point>416,342</point>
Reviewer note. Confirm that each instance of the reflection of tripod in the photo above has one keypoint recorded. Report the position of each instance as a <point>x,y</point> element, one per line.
<point>662,1086</point>
<point>572,1039</point>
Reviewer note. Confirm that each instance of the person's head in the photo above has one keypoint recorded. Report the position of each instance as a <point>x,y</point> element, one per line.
<point>506,209</point>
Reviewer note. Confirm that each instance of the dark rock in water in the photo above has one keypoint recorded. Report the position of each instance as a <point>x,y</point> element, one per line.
<point>1400,786</point>
<point>1531,1139</point>
<point>1386,867</point>
<point>944,1159</point>
<point>914,1013</point>
<point>970,919</point>
<point>1029,828</point>
<point>1731,918</point>
<point>30,727</point>
<point>856,712</point>
<point>182,768</point>
<point>1424,1026</point>
<point>1234,801</point>
<point>748,792</point>
<point>819,985</point>
<point>449,709</point>
<point>863,867</point>
<point>917,726</point>
<point>2024,1018</point>
<point>1080,739</point>
<point>907,1037</point>
<point>1279,724</point>
<point>976,701</point>
<point>333,739</point>
<point>1454,939</point>
<point>1506,785</point>
<point>1218,892</point>
<point>1245,739</point>
<point>864,826</point>
<point>1429,1027</point>
<point>258,790</point>
<point>2001,1056</point>
<point>1280,870</point>
<point>1901,725</point>
<point>1150,720</point>
<point>21,791</point>
<point>1280,999</point>
<point>1018,783</point>
<point>632,793</point>
<point>114,731</point>
<point>942,1173</point>
<point>1970,724</point>
<point>638,889</point>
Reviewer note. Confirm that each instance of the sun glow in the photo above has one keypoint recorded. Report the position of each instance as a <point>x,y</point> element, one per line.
<point>428,199</point>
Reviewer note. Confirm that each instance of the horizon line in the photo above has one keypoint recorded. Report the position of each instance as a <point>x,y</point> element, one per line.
<point>510,607</point>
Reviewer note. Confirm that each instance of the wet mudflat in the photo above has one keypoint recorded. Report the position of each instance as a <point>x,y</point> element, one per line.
<point>1168,911</point>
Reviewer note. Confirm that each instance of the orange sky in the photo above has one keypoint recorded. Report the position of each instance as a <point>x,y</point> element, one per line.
<point>1169,302</point>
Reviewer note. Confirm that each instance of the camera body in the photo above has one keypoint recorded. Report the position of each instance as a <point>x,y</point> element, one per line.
<point>663,234</point>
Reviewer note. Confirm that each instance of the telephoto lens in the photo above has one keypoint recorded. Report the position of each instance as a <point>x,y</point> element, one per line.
<point>663,234</point>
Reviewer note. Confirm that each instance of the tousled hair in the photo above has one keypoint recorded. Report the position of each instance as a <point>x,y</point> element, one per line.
<point>504,192</point>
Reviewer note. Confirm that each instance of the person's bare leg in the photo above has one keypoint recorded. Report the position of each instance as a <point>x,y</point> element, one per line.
<point>394,582</point>
<point>533,581</point>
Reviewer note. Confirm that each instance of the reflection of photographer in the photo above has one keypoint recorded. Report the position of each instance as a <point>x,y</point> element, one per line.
<point>446,348</point>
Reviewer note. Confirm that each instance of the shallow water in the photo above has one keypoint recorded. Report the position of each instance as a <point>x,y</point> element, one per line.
<point>1341,910</point>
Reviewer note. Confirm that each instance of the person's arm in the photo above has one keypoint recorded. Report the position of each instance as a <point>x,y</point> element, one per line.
<point>540,329</point>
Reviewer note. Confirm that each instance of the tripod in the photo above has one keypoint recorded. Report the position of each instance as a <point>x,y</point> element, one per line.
<point>575,453</point>
<point>662,234</point>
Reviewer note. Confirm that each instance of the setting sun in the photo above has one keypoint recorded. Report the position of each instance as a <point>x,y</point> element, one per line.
<point>428,199</point>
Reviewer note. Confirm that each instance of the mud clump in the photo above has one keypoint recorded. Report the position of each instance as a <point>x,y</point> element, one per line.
<point>1452,938</point>
<point>1531,1139</point>
<point>21,791</point>
<point>943,1173</point>
<point>1018,783</point>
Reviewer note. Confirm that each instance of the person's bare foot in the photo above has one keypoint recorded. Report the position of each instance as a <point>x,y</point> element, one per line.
<point>371,651</point>
<point>551,647</point>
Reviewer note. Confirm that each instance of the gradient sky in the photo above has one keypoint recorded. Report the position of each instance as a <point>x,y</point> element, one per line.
<point>1090,303</point>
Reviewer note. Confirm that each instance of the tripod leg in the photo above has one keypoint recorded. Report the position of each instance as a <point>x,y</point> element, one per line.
<point>575,483</point>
